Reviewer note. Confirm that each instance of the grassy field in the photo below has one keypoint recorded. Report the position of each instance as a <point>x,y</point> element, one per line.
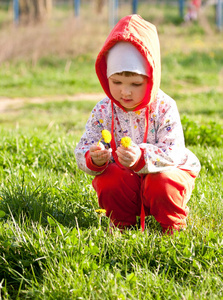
<point>52,243</point>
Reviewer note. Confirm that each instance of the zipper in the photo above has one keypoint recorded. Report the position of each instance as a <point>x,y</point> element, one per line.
<point>132,127</point>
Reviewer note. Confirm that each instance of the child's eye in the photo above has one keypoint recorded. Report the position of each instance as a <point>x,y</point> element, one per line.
<point>116,82</point>
<point>136,84</point>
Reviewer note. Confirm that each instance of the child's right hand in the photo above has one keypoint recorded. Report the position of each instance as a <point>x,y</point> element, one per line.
<point>99,154</point>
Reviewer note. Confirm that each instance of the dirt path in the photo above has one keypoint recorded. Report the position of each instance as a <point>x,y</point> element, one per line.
<point>7,104</point>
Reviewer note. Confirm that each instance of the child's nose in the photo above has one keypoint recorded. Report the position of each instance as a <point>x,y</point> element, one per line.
<point>126,92</point>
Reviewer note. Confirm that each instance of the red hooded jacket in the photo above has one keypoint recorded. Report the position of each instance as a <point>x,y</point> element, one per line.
<point>143,36</point>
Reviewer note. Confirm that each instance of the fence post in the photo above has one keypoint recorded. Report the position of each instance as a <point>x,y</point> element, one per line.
<point>113,12</point>
<point>219,15</point>
<point>77,8</point>
<point>16,11</point>
<point>181,8</point>
<point>134,6</point>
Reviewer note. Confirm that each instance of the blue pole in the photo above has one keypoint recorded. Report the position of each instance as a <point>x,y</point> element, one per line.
<point>134,6</point>
<point>77,8</point>
<point>16,11</point>
<point>116,11</point>
<point>219,14</point>
<point>181,8</point>
<point>113,12</point>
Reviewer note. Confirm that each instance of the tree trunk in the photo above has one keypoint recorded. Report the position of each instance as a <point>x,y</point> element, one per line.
<point>99,6</point>
<point>34,10</point>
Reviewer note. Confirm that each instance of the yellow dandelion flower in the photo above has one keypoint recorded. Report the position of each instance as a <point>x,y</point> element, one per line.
<point>106,136</point>
<point>100,211</point>
<point>126,141</point>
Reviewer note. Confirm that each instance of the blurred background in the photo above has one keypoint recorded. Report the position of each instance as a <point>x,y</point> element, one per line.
<point>68,28</point>
<point>48,47</point>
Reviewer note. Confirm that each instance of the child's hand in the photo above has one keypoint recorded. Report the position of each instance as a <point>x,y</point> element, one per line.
<point>99,154</point>
<point>128,156</point>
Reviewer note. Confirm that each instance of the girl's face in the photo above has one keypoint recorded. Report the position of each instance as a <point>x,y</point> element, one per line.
<point>129,91</point>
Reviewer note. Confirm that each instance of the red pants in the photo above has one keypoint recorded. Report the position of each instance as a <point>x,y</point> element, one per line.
<point>164,195</point>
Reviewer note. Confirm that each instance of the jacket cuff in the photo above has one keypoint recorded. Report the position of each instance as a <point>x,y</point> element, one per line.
<point>91,165</point>
<point>140,163</point>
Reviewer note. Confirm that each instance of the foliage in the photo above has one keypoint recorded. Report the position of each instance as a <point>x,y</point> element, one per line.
<point>210,134</point>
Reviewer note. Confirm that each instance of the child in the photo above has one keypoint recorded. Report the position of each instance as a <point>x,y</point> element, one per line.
<point>193,10</point>
<point>155,175</point>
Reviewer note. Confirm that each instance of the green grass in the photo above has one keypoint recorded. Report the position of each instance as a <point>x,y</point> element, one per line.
<point>52,243</point>
<point>48,77</point>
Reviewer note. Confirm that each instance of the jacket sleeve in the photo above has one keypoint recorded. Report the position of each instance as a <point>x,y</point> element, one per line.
<point>95,124</point>
<point>168,149</point>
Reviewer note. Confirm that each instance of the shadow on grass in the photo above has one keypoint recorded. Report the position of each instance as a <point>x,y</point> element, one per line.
<point>68,206</point>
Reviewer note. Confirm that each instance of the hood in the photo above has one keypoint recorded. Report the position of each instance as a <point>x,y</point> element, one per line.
<point>144,37</point>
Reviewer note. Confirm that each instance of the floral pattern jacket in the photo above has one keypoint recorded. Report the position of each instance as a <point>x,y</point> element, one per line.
<point>164,148</point>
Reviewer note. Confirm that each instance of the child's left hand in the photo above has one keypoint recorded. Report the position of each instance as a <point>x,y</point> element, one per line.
<point>128,156</point>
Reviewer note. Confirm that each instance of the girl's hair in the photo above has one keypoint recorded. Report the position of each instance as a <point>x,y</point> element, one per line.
<point>128,74</point>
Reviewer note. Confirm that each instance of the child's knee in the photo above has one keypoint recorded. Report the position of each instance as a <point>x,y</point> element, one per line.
<point>169,183</point>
